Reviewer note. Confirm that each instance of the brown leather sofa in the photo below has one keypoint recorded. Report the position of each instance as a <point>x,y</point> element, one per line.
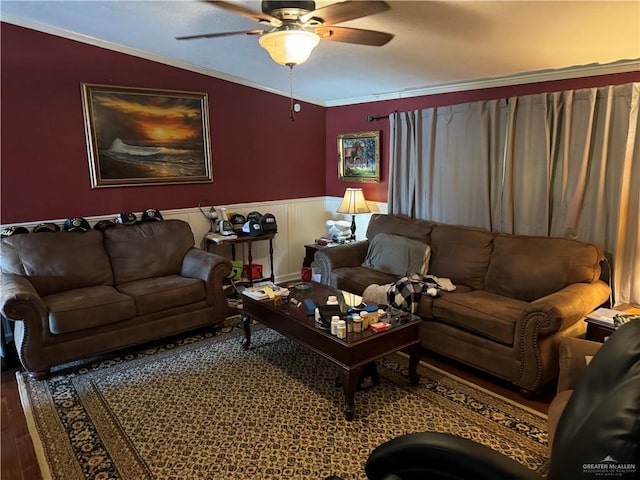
<point>74,294</point>
<point>516,297</point>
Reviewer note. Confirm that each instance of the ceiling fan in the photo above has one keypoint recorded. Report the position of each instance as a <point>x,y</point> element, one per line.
<point>292,29</point>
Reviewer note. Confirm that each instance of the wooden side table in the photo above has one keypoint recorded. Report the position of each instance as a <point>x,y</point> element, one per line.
<point>248,240</point>
<point>309,252</point>
<point>597,332</point>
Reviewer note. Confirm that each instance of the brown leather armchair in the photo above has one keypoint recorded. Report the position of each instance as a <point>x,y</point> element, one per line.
<point>597,431</point>
<point>574,355</point>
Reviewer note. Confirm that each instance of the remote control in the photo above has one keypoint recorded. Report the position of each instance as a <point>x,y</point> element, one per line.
<point>309,306</point>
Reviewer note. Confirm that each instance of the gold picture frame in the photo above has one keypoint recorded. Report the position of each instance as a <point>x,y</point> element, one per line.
<point>143,136</point>
<point>359,157</point>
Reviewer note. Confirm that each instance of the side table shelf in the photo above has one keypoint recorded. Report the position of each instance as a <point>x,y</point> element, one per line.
<point>248,240</point>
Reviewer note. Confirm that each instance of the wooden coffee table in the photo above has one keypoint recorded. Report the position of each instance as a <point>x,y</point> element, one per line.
<point>351,354</point>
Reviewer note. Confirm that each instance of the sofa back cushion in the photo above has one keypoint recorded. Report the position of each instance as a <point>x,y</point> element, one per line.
<point>461,254</point>
<point>528,268</point>
<point>57,261</point>
<point>399,225</point>
<point>397,255</point>
<point>150,249</point>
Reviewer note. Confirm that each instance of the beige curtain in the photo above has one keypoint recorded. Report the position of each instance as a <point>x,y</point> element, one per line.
<point>404,155</point>
<point>556,164</point>
<point>572,169</point>
<point>446,163</point>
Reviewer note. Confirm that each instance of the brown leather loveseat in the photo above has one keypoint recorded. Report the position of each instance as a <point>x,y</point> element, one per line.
<point>74,294</point>
<point>516,297</point>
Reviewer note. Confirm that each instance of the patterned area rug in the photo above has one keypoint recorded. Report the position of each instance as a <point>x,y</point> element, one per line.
<point>203,408</point>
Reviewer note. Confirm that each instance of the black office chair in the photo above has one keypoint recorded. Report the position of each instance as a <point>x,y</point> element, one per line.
<point>599,429</point>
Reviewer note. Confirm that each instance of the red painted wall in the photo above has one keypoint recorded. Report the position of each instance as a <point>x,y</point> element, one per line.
<point>353,118</point>
<point>258,153</point>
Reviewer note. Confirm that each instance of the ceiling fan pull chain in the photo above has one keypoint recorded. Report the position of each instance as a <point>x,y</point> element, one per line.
<point>293,118</point>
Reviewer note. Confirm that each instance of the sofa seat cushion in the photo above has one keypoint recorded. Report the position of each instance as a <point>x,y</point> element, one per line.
<point>425,309</point>
<point>162,293</point>
<point>87,307</point>
<point>483,313</point>
<point>356,279</point>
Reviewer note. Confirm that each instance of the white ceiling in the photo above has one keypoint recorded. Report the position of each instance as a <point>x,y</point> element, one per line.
<point>438,45</point>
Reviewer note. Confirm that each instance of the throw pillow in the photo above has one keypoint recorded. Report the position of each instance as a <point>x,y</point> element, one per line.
<point>397,255</point>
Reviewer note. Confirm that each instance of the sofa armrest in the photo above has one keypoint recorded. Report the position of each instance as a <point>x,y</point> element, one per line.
<point>19,299</point>
<point>573,363</point>
<point>20,302</point>
<point>347,255</point>
<point>545,322</point>
<point>212,269</point>
<point>563,308</point>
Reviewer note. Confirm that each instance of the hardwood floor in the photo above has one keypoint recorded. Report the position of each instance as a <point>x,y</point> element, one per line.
<point>19,460</point>
<point>540,403</point>
<point>18,457</point>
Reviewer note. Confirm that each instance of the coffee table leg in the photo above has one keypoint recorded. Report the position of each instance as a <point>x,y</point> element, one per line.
<point>414,359</point>
<point>246,325</point>
<point>349,386</point>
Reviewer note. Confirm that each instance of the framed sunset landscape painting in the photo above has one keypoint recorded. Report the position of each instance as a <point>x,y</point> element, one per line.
<point>140,136</point>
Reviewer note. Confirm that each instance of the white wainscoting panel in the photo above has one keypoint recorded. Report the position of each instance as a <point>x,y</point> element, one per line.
<point>300,222</point>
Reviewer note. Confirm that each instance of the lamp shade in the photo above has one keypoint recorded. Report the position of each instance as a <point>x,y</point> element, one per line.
<point>289,47</point>
<point>353,202</point>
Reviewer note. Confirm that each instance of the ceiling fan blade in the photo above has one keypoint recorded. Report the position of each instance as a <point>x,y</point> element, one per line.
<point>246,12</point>
<point>354,35</point>
<point>343,11</point>
<point>222,34</point>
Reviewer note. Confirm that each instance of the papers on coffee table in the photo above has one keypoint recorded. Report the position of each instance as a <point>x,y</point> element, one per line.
<point>264,290</point>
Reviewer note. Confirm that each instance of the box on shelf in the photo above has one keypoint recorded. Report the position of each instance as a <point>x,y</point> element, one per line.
<point>255,273</point>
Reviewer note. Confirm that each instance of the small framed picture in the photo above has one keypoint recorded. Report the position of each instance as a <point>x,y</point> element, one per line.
<point>359,157</point>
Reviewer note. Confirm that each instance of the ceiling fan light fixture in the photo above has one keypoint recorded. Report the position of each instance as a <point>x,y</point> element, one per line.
<point>289,47</point>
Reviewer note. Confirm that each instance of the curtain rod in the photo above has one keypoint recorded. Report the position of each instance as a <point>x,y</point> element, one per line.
<point>372,118</point>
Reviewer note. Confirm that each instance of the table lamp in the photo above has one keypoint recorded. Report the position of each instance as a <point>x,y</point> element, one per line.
<point>353,203</point>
